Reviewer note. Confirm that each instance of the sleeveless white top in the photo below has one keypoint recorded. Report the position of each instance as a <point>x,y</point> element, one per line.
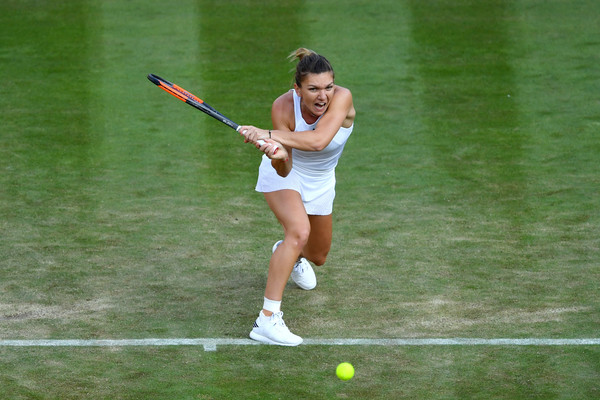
<point>317,162</point>
<point>313,172</point>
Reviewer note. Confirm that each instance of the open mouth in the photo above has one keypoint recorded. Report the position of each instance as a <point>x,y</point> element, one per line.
<point>320,106</point>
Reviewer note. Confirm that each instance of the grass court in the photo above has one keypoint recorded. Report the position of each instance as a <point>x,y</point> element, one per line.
<point>467,204</point>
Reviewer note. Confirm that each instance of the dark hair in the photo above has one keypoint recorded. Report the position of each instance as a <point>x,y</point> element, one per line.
<point>309,63</point>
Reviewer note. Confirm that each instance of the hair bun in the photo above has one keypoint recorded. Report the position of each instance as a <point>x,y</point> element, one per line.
<point>300,53</point>
<point>309,62</point>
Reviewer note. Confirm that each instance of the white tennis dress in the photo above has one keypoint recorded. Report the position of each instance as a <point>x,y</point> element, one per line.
<point>313,172</point>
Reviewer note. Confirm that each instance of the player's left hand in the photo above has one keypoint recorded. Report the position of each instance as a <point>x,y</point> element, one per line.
<point>273,149</point>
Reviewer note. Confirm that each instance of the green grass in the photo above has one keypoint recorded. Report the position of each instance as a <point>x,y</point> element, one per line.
<point>467,198</point>
<point>274,373</point>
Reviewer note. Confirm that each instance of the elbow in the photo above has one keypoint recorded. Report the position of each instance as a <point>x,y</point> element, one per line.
<point>283,174</point>
<point>318,145</point>
<point>281,169</point>
<point>320,140</point>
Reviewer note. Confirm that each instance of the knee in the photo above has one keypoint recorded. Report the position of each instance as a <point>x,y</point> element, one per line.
<point>298,236</point>
<point>319,259</point>
<point>317,256</point>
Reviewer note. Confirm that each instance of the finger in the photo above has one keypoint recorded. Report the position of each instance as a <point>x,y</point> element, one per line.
<point>275,147</point>
<point>241,130</point>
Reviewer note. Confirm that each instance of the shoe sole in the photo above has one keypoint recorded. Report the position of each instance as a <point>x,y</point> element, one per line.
<point>305,287</point>
<point>266,340</point>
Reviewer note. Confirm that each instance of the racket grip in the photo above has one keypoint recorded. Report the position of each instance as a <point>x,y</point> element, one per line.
<point>262,142</point>
<point>259,141</point>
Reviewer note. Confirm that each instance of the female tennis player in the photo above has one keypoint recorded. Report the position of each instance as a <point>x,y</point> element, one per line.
<point>311,124</point>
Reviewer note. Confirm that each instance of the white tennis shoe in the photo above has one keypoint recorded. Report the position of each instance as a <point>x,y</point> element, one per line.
<point>276,245</point>
<point>272,330</point>
<point>303,274</point>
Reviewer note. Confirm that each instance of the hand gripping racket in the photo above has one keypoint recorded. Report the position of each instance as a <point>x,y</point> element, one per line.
<point>196,102</point>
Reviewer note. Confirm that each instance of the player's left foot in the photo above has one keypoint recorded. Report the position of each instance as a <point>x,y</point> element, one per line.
<point>304,275</point>
<point>276,245</point>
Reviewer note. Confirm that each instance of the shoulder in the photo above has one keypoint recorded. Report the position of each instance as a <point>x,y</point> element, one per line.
<point>282,112</point>
<point>342,97</point>
<point>284,102</point>
<point>344,103</point>
<point>343,92</point>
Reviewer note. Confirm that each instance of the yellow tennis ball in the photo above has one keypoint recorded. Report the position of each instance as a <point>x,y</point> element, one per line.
<point>345,371</point>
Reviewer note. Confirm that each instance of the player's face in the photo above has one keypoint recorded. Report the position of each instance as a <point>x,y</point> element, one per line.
<point>316,93</point>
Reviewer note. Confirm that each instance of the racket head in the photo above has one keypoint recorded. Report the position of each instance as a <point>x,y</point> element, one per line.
<point>173,89</point>
<point>190,99</point>
<point>194,101</point>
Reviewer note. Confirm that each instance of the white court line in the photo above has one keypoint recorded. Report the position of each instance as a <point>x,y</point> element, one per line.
<point>210,344</point>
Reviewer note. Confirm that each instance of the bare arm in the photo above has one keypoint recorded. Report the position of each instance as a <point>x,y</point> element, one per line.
<point>283,166</point>
<point>340,113</point>
<point>281,121</point>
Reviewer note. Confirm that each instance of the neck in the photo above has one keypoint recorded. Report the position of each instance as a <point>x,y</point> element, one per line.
<point>309,117</point>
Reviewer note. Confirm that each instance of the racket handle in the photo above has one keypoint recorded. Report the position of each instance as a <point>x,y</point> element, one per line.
<point>259,141</point>
<point>262,142</point>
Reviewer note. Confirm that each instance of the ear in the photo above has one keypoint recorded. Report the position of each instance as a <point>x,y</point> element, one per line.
<point>297,89</point>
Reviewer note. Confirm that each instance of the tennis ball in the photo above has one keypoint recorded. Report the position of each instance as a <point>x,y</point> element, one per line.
<point>345,371</point>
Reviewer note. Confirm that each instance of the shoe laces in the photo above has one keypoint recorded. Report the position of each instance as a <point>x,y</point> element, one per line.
<point>299,266</point>
<point>277,319</point>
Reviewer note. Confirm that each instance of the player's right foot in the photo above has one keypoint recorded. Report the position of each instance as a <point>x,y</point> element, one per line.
<point>272,330</point>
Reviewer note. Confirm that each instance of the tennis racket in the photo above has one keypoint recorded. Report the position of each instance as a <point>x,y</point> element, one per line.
<point>195,102</point>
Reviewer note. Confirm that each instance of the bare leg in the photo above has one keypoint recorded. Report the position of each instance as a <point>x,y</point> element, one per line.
<point>319,242</point>
<point>289,210</point>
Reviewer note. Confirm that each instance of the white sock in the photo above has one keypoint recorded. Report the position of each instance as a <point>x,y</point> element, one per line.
<point>272,305</point>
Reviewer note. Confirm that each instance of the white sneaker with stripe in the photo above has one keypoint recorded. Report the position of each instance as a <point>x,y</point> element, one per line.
<point>272,330</point>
